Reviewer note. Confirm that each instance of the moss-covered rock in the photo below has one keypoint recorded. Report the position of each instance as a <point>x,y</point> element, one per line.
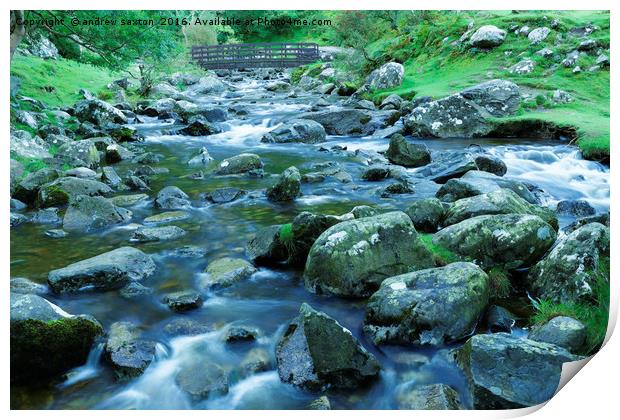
<point>431,306</point>
<point>45,340</point>
<point>511,240</point>
<point>244,162</point>
<point>571,268</point>
<point>87,213</point>
<point>60,191</point>
<point>288,186</point>
<point>225,272</point>
<point>316,352</point>
<point>127,351</point>
<point>426,214</point>
<point>352,258</point>
<point>429,397</point>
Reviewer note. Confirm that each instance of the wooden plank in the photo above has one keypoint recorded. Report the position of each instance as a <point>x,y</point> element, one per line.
<point>259,55</point>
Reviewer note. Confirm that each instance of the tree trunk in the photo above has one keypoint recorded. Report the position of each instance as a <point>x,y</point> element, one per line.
<point>18,30</point>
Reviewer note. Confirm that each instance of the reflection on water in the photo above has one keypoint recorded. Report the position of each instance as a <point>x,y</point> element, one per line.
<point>272,296</point>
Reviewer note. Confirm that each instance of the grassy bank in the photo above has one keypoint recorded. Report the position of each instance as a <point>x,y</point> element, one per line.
<point>437,66</point>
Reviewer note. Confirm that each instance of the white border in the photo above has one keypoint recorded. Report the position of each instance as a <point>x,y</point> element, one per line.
<point>592,395</point>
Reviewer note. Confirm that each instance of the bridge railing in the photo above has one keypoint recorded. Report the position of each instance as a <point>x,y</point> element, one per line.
<point>259,55</point>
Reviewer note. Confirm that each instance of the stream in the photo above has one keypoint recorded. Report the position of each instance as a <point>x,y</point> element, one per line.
<point>272,297</point>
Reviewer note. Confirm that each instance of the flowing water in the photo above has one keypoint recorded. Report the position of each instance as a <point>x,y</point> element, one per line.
<point>271,298</point>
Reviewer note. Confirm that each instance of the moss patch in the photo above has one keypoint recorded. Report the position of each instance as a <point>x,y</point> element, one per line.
<point>441,255</point>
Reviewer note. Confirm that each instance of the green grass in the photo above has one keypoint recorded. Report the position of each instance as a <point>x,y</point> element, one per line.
<point>57,82</point>
<point>434,67</point>
<point>594,314</point>
<point>499,283</point>
<point>285,235</point>
<point>441,255</point>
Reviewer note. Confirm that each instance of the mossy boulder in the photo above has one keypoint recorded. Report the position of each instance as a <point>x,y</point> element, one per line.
<point>171,197</point>
<point>511,240</point>
<point>106,271</point>
<point>502,201</point>
<point>506,372</point>
<point>299,130</point>
<point>79,153</point>
<point>571,269</point>
<point>562,331</point>
<point>266,248</point>
<point>60,191</point>
<point>287,188</point>
<point>316,352</point>
<point>429,397</point>
<point>352,258</point>
<point>426,214</point>
<point>27,188</point>
<point>45,340</point>
<point>432,306</point>
<point>305,229</point>
<point>476,182</point>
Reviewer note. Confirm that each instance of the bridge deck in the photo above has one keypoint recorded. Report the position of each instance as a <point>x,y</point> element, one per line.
<point>260,55</point>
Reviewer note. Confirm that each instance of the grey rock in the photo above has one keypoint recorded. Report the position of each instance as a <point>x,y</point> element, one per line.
<point>87,213</point>
<point>563,331</point>
<point>62,190</point>
<point>577,208</point>
<point>171,197</point>
<point>538,35</point>
<point>225,272</point>
<point>487,36</point>
<point>239,164</point>
<point>387,76</point>
<point>298,130</point>
<point>410,155</point>
<point>429,397</point>
<point>183,301</point>
<point>426,214</point>
<point>127,351</point>
<point>157,234</point>
<point>287,188</point>
<point>202,379</point>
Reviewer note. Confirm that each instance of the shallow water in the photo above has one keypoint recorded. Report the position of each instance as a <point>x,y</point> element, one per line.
<point>271,298</point>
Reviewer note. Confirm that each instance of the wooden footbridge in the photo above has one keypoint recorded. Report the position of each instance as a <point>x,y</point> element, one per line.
<point>260,55</point>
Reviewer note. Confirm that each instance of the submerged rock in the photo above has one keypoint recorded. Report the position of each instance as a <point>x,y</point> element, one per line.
<point>571,269</point>
<point>183,301</point>
<point>126,351</point>
<point>225,195</point>
<point>203,158</point>
<point>432,306</point>
<point>512,240</point>
<point>156,234</point>
<point>429,397</point>
<point>167,217</point>
<point>106,271</point>
<point>89,213</point>
<point>225,272</point>
<point>201,379</point>
<point>316,353</point>
<point>287,188</point>
<point>352,258</point>
<point>506,372</point>
<point>45,340</point>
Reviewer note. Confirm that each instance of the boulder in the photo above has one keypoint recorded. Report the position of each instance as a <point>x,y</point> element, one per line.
<point>316,353</point>
<point>208,85</point>
<point>225,272</point>
<point>498,97</point>
<point>81,172</point>
<point>87,213</point>
<point>167,217</point>
<point>183,301</point>
<point>429,397</point>
<point>387,76</point>
<point>479,182</point>
<point>375,173</point>
<point>22,143</point>
<point>432,306</point>
<point>536,36</point>
<point>577,208</point>
<point>171,197</point>
<point>563,331</point>
<point>157,234</point>
<point>199,126</point>
<point>127,351</point>
<point>240,333</point>
<point>511,240</point>
<point>48,216</point>
<point>305,229</point>
<point>410,155</point>
<point>499,319</point>
<point>62,190</point>
<point>299,130</point>
<point>106,271</point>
<point>287,188</point>
<point>392,101</point>
<point>487,36</point>
<point>447,166</point>
<point>501,201</point>
<point>321,403</point>
<point>45,340</point>
<point>342,122</point>
<point>266,248</point>
<point>79,153</point>
<point>506,372</point>
<point>571,269</point>
<point>115,153</point>
<point>225,195</point>
<point>110,177</point>
<point>25,286</point>
<point>128,200</point>
<point>491,164</point>
<point>244,162</point>
<point>352,258</point>
<point>523,67</point>
<point>426,214</point>
<point>27,188</point>
<point>202,158</point>
<point>98,112</point>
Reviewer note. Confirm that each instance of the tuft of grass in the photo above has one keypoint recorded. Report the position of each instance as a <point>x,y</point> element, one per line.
<point>593,314</point>
<point>285,235</point>
<point>499,283</point>
<point>441,255</point>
